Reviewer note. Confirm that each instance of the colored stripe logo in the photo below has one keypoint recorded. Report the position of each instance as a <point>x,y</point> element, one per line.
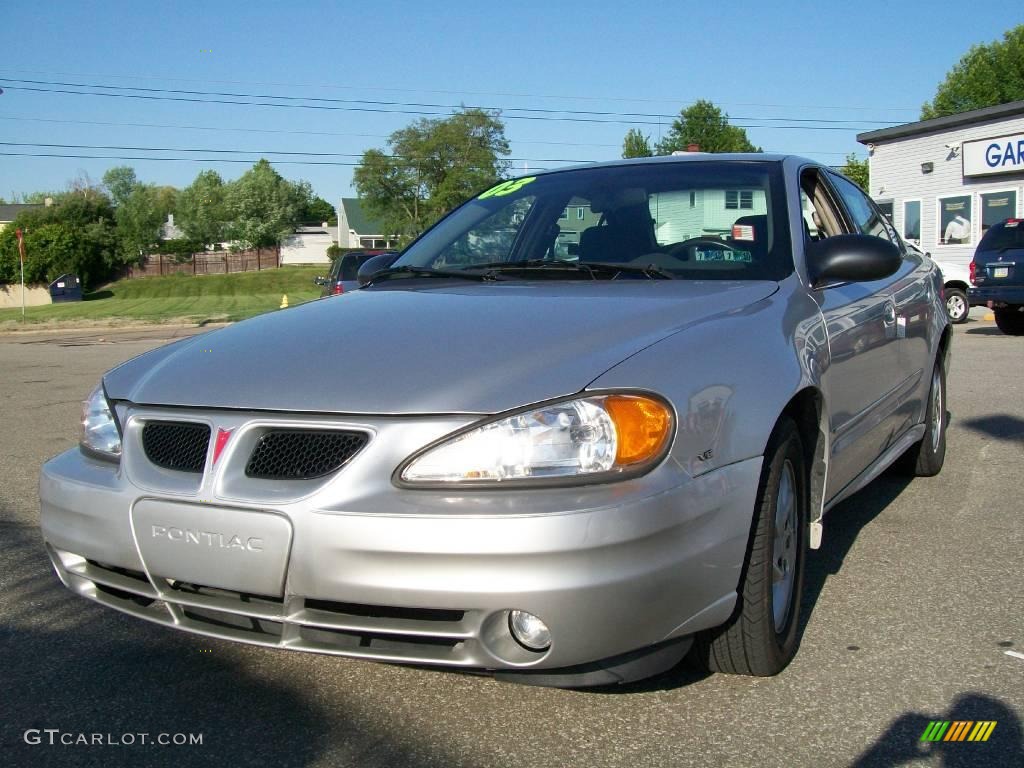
<point>958,730</point>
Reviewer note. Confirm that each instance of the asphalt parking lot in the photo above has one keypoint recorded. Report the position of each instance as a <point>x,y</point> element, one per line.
<point>911,608</point>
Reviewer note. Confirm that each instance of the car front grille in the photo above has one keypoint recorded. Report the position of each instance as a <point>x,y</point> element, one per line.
<point>177,445</point>
<point>302,454</point>
<point>381,633</point>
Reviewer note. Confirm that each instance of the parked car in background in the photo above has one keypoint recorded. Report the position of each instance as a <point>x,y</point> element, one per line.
<point>956,280</point>
<point>344,269</point>
<point>997,272</point>
<point>563,472</point>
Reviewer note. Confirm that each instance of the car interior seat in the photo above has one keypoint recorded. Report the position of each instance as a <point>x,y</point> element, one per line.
<point>758,246</point>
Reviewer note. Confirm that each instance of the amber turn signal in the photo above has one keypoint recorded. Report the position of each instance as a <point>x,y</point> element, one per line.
<point>642,426</point>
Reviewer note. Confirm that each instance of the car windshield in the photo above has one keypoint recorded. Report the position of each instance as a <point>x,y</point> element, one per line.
<point>696,220</point>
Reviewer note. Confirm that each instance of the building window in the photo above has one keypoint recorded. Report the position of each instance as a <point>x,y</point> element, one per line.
<point>886,208</point>
<point>997,207</point>
<point>579,213</point>
<point>693,198</point>
<point>742,199</point>
<point>564,214</point>
<point>954,220</point>
<point>912,221</point>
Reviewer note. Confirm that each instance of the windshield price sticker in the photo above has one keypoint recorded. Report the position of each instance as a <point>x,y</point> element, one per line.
<point>507,187</point>
<point>718,255</point>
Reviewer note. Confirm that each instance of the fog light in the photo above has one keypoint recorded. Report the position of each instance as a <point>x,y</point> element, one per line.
<point>529,631</point>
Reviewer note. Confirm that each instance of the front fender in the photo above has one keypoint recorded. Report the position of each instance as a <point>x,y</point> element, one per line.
<point>731,376</point>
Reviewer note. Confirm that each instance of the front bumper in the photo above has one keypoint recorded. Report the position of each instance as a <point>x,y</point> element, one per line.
<point>612,569</point>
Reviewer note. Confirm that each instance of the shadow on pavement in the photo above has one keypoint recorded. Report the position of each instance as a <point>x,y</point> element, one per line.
<point>901,743</point>
<point>68,664</point>
<point>988,330</point>
<point>1004,426</point>
<point>842,526</point>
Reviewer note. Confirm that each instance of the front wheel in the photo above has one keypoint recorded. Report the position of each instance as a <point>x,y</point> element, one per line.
<point>1010,321</point>
<point>957,306</point>
<point>761,637</point>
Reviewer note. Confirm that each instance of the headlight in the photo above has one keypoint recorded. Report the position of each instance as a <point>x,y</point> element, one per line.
<point>594,439</point>
<point>100,435</point>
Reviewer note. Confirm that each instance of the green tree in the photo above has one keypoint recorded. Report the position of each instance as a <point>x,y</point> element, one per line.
<point>201,211</point>
<point>985,76</point>
<point>704,124</point>
<point>77,234</point>
<point>856,171</point>
<point>139,210</point>
<point>636,144</point>
<point>263,206</point>
<point>120,181</point>
<point>432,166</point>
<point>318,211</point>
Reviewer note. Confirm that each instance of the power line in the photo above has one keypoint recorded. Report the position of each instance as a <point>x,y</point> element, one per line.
<point>567,97</point>
<point>381,103</point>
<point>550,115</point>
<point>264,152</point>
<point>178,159</point>
<point>222,128</point>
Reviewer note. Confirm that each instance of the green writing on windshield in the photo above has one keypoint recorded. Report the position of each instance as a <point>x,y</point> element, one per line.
<point>507,187</point>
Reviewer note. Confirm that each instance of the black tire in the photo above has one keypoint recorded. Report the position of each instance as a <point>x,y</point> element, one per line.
<point>957,306</point>
<point>751,643</point>
<point>925,457</point>
<point>1010,321</point>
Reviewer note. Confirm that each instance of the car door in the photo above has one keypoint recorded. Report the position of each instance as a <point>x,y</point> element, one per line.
<point>860,320</point>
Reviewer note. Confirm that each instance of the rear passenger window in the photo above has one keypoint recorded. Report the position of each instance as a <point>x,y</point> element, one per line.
<point>866,217</point>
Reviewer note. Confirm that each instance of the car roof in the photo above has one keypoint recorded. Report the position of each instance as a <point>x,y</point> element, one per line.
<point>689,157</point>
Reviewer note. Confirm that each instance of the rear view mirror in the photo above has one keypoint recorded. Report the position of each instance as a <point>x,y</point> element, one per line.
<point>850,259</point>
<point>372,266</point>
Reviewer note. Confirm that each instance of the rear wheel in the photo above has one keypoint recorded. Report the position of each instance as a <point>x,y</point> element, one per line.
<point>761,637</point>
<point>1010,321</point>
<point>957,306</point>
<point>925,458</point>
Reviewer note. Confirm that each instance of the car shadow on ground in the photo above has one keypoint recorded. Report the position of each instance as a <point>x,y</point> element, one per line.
<point>842,526</point>
<point>1003,426</point>
<point>71,665</point>
<point>901,743</point>
<point>986,330</point>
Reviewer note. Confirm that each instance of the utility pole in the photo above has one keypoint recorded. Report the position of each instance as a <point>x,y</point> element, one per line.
<point>21,257</point>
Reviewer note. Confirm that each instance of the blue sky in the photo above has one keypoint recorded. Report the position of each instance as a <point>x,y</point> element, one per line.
<point>767,64</point>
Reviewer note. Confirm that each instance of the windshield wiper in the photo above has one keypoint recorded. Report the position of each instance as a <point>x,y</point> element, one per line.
<point>414,271</point>
<point>592,268</point>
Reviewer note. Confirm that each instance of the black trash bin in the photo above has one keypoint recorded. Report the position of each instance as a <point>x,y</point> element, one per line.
<point>66,288</point>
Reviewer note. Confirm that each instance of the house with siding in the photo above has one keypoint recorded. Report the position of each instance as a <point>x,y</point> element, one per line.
<point>357,229</point>
<point>944,182</point>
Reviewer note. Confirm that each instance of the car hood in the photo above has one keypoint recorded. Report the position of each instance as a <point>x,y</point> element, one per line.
<point>450,348</point>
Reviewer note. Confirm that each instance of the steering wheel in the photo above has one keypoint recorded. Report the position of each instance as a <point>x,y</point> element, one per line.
<point>676,248</point>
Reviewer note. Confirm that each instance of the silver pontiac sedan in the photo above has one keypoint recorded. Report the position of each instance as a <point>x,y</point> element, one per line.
<point>587,424</point>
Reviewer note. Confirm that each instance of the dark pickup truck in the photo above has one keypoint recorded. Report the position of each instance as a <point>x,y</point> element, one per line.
<point>997,272</point>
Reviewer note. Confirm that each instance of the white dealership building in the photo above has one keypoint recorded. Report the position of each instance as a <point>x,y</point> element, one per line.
<point>945,181</point>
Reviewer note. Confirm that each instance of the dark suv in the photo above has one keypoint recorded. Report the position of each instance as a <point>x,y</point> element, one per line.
<point>342,277</point>
<point>997,272</point>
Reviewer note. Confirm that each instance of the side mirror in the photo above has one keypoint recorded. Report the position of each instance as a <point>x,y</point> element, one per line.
<point>319,280</point>
<point>372,266</point>
<point>850,259</point>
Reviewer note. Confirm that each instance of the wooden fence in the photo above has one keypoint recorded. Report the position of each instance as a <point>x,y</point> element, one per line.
<point>207,263</point>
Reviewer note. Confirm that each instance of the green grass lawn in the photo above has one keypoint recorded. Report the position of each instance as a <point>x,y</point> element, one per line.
<point>178,298</point>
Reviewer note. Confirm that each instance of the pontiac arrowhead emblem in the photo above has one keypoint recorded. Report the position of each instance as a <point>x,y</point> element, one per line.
<point>223,435</point>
